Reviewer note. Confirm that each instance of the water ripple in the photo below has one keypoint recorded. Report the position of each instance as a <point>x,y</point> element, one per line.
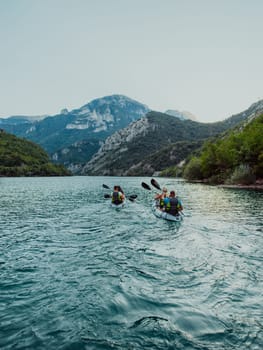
<point>76,274</point>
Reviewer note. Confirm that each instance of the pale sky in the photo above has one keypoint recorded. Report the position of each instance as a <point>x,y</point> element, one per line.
<point>202,56</point>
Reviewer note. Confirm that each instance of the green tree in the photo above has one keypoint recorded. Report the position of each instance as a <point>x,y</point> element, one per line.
<point>237,155</point>
<point>193,170</point>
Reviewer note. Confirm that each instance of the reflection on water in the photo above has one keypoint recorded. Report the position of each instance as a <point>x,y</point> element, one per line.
<point>77,274</point>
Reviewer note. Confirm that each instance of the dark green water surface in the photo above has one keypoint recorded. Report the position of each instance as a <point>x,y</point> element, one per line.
<point>77,274</point>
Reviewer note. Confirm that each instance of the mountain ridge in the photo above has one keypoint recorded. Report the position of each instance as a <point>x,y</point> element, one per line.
<point>93,121</point>
<point>120,154</point>
<point>183,115</point>
<point>117,126</point>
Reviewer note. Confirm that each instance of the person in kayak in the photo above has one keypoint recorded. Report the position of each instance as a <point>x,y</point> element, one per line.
<point>117,196</point>
<point>161,197</point>
<point>120,189</point>
<point>172,204</point>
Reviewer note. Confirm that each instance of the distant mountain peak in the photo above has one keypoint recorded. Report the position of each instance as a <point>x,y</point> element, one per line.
<point>182,115</point>
<point>120,100</point>
<point>100,114</point>
<point>22,119</point>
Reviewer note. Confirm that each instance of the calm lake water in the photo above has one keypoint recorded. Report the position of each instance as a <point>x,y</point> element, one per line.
<point>77,274</point>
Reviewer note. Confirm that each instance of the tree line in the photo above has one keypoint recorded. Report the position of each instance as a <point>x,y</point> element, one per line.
<point>20,157</point>
<point>235,158</point>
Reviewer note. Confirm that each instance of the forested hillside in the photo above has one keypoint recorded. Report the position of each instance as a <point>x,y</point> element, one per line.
<point>236,158</point>
<point>19,157</point>
<point>172,154</point>
<point>144,146</point>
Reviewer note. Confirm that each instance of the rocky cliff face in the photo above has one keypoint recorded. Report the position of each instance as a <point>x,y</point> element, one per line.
<point>142,147</point>
<point>125,151</point>
<point>110,112</point>
<point>72,137</point>
<point>114,146</point>
<point>254,110</point>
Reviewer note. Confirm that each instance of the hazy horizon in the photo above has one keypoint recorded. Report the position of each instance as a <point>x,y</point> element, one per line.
<point>203,57</point>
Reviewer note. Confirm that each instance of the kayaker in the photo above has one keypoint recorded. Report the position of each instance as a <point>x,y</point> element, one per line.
<point>120,189</point>
<point>117,196</point>
<point>161,197</point>
<point>173,204</point>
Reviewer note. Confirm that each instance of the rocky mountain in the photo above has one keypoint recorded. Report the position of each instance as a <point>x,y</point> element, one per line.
<point>254,110</point>
<point>127,149</point>
<point>135,150</point>
<point>20,119</point>
<point>116,135</point>
<point>69,131</point>
<point>183,115</point>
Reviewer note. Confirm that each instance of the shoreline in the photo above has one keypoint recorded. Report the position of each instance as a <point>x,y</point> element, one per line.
<point>243,187</point>
<point>258,185</point>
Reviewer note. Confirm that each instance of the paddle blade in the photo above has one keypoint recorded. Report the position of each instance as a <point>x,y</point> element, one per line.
<point>133,196</point>
<point>107,195</point>
<point>155,184</point>
<point>105,186</point>
<point>146,186</point>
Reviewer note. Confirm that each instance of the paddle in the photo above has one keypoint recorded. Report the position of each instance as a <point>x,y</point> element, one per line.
<point>146,186</point>
<point>132,197</point>
<point>105,186</point>
<point>108,188</point>
<point>155,184</point>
